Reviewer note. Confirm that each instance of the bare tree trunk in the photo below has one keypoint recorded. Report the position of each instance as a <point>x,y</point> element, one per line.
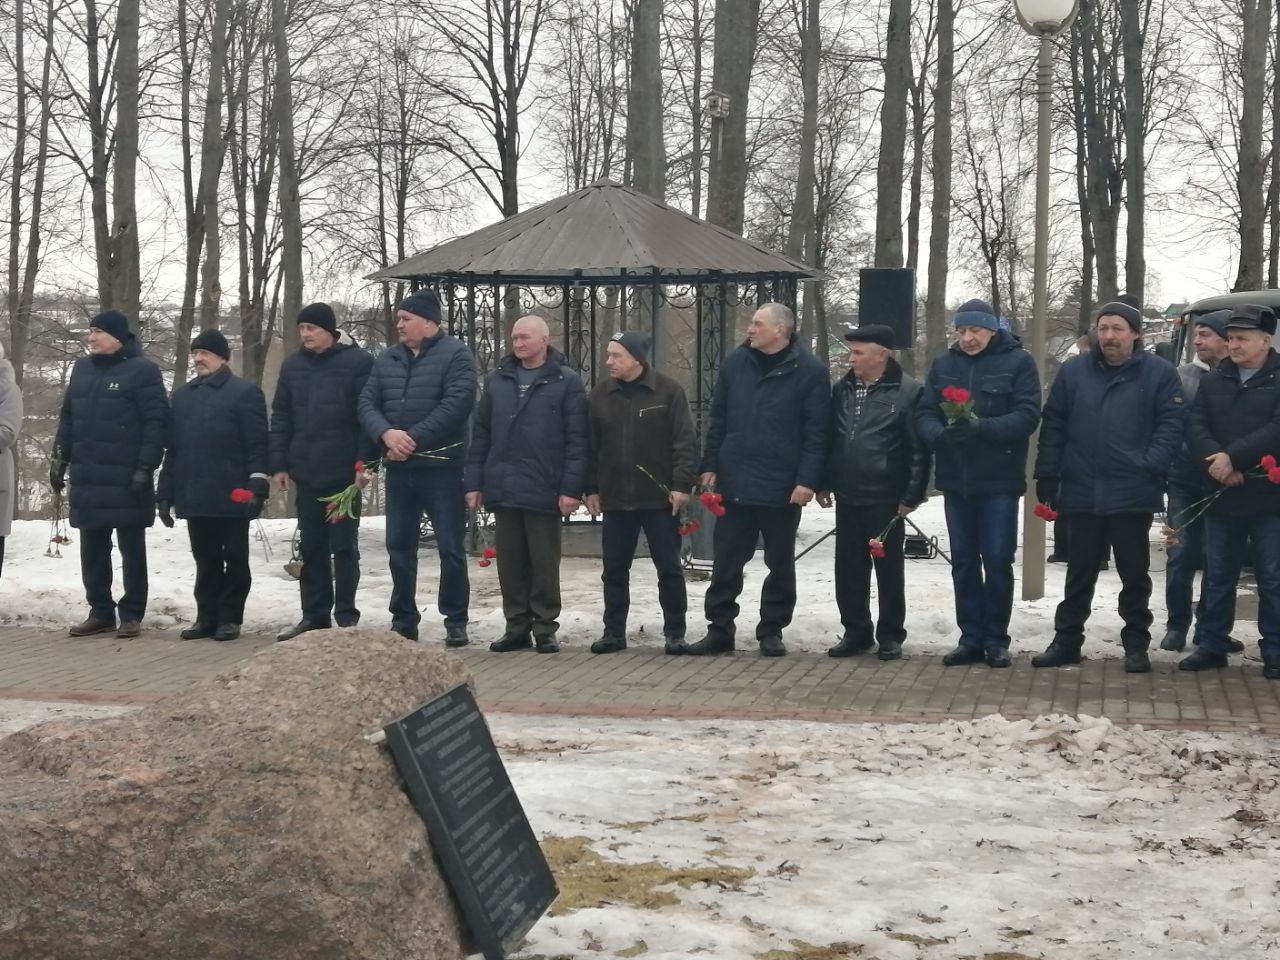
<point>191,278</point>
<point>800,230</point>
<point>646,149</point>
<point>893,135</point>
<point>96,110</point>
<point>20,315</point>
<point>1099,153</point>
<point>212,151</point>
<point>695,106</point>
<point>1253,65</point>
<point>15,181</point>
<point>935,307</point>
<point>290,203</point>
<point>1087,251</point>
<point>1135,262</point>
<point>736,26</point>
<point>126,279</point>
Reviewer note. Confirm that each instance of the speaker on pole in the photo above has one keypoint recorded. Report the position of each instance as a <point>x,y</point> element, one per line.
<point>888,296</point>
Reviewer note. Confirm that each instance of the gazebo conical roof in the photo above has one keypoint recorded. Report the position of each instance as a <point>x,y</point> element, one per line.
<point>602,233</point>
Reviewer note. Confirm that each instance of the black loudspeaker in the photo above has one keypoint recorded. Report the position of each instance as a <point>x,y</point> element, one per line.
<point>889,297</point>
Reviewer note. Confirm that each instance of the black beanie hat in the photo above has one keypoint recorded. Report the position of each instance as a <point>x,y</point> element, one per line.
<point>635,342</point>
<point>214,342</point>
<point>319,315</point>
<point>1117,308</point>
<point>422,303</point>
<point>113,322</point>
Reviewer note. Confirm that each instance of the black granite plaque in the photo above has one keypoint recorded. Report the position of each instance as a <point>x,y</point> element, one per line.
<point>490,857</point>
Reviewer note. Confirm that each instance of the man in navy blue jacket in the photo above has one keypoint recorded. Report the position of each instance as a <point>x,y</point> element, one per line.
<point>765,454</point>
<point>217,443</point>
<point>111,434</point>
<point>1113,425</point>
<point>980,467</point>
<point>528,461</point>
<point>416,404</point>
<point>314,443</point>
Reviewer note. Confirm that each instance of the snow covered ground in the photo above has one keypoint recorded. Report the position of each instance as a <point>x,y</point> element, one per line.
<point>992,839</point>
<point>40,591</point>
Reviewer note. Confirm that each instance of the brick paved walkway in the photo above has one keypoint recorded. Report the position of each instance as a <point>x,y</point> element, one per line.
<point>47,665</point>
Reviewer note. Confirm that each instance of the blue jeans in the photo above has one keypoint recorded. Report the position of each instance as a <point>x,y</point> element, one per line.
<point>1225,541</point>
<point>437,492</point>
<point>1185,557</point>
<point>983,532</point>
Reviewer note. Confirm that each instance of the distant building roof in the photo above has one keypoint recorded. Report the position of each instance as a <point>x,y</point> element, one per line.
<point>600,232</point>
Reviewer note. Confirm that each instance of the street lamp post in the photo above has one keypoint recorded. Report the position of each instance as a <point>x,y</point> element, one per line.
<point>1043,19</point>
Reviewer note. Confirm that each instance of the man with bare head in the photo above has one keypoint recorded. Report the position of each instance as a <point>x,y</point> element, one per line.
<point>764,455</point>
<point>528,465</point>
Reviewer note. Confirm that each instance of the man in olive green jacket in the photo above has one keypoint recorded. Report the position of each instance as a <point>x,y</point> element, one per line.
<point>644,455</point>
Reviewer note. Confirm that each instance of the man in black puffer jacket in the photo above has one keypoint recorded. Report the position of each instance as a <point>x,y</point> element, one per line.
<point>217,444</point>
<point>879,471</point>
<point>416,405</point>
<point>765,452</point>
<point>528,464</point>
<point>1113,425</point>
<point>1235,427</point>
<point>111,433</point>
<point>315,441</point>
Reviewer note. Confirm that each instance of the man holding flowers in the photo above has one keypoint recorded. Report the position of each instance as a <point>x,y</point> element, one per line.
<point>1112,427</point>
<point>1235,433</point>
<point>980,405</point>
<point>415,405</point>
<point>763,461</point>
<point>879,472</point>
<point>315,441</point>
<point>215,477</point>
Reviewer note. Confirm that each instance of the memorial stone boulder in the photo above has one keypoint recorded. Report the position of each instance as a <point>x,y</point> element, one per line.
<point>244,817</point>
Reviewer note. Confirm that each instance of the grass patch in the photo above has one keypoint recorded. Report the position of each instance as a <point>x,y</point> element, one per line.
<point>587,879</point>
<point>812,951</point>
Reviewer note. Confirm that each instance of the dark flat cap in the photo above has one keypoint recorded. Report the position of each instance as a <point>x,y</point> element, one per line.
<point>1252,316</point>
<point>872,333</point>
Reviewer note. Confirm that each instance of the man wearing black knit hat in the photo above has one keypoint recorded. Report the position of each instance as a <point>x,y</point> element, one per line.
<point>644,460</point>
<point>416,405</point>
<point>1111,429</point>
<point>217,444</point>
<point>111,435</point>
<point>315,440</point>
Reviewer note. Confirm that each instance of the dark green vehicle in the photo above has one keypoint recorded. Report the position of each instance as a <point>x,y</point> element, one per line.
<point>1178,348</point>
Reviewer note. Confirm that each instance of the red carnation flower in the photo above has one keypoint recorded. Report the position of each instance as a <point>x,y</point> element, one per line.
<point>359,466</point>
<point>959,395</point>
<point>689,528</point>
<point>490,553</point>
<point>947,394</point>
<point>1274,474</point>
<point>714,503</point>
<point>485,563</point>
<point>1045,512</point>
<point>1268,463</point>
<point>877,547</point>
<point>241,495</point>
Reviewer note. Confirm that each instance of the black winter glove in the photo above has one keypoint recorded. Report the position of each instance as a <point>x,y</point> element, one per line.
<point>141,481</point>
<point>959,433</point>
<point>1047,491</point>
<point>58,476</point>
<point>261,489</point>
<point>163,509</point>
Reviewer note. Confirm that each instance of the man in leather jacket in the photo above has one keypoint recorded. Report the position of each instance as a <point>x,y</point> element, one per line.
<point>879,472</point>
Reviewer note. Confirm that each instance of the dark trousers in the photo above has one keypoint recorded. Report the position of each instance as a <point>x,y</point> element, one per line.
<point>1185,557</point>
<point>983,531</point>
<point>220,546</point>
<point>1128,534</point>
<point>1226,541</point>
<point>437,493</point>
<point>330,559</point>
<point>528,544</point>
<point>95,570</point>
<point>733,545</point>
<point>618,539</point>
<point>855,525</point>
